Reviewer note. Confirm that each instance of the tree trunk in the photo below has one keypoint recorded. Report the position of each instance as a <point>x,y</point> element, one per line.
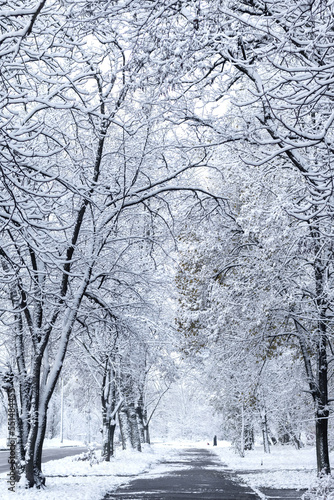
<point>141,424</point>
<point>249,437</point>
<point>124,427</point>
<point>109,426</point>
<point>147,438</point>
<point>134,429</point>
<point>320,395</point>
<point>106,440</point>
<point>264,425</point>
<point>23,420</point>
<point>112,428</point>
<point>34,420</point>
<point>322,443</point>
<point>108,401</point>
<point>39,446</point>
<point>319,391</point>
<point>322,411</point>
<point>8,386</point>
<point>242,435</point>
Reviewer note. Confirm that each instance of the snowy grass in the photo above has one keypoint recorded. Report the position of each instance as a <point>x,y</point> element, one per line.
<point>284,467</point>
<point>56,443</point>
<point>322,489</point>
<point>76,480</point>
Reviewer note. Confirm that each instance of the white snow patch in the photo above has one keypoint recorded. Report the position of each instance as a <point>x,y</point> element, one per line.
<point>56,443</point>
<point>49,443</point>
<point>77,480</point>
<point>283,467</point>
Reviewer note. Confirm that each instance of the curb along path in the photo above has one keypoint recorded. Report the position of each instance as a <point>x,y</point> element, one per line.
<point>194,474</point>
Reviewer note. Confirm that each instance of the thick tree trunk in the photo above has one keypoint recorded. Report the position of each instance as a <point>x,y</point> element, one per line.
<point>141,424</point>
<point>34,421</point>
<point>105,440</point>
<point>319,391</point>
<point>320,395</point>
<point>39,447</point>
<point>23,418</point>
<point>108,401</point>
<point>8,386</point>
<point>134,429</point>
<point>20,451</point>
<point>33,462</point>
<point>129,428</point>
<point>14,432</point>
<point>109,426</point>
<point>147,438</point>
<point>322,411</point>
<point>112,428</point>
<point>124,427</point>
<point>249,437</point>
<point>322,443</point>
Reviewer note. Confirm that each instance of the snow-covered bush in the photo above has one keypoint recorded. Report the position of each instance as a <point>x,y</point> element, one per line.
<point>89,455</point>
<point>323,489</point>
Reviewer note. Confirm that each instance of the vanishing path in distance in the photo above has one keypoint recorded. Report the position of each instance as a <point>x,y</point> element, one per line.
<point>194,474</point>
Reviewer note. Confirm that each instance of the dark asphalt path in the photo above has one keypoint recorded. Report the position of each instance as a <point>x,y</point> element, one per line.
<point>48,454</point>
<point>195,474</point>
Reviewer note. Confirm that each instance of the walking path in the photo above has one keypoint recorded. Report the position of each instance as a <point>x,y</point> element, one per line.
<point>194,474</point>
<point>48,455</point>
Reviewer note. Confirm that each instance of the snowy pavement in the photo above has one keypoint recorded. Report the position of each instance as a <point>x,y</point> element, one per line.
<point>196,473</point>
<point>285,467</point>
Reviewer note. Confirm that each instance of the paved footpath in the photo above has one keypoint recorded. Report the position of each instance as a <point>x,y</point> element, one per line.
<point>194,474</point>
<point>48,454</point>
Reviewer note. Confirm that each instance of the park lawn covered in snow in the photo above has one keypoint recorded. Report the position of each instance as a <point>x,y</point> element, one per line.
<point>283,467</point>
<point>70,479</point>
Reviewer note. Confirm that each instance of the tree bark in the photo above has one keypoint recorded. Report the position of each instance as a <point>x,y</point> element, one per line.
<point>141,423</point>
<point>319,391</point>
<point>32,477</point>
<point>124,427</point>
<point>265,436</point>
<point>147,438</point>
<point>249,437</point>
<point>322,412</point>
<point>242,436</point>
<point>321,395</point>
<point>134,429</point>
<point>109,426</point>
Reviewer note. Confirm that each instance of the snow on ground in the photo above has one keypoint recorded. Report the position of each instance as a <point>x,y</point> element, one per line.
<point>56,443</point>
<point>77,480</point>
<point>283,467</point>
<point>48,443</point>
